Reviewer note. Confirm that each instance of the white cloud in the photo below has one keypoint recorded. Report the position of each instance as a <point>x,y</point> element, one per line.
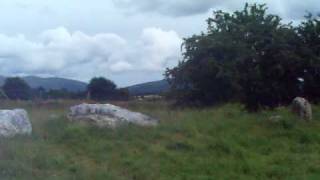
<point>58,52</point>
<point>158,49</point>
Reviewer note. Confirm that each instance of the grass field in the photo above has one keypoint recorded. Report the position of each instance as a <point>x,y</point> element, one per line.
<point>216,143</point>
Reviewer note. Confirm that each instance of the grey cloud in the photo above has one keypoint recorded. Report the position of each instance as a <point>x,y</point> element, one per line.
<point>294,9</point>
<point>289,9</point>
<point>171,8</point>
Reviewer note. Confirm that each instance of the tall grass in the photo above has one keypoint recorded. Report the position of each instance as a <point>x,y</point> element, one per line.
<point>215,143</point>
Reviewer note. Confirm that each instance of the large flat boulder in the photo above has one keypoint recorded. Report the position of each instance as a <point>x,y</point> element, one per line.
<point>14,122</point>
<point>108,115</point>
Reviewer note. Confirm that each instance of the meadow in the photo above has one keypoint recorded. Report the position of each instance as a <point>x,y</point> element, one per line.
<point>223,142</point>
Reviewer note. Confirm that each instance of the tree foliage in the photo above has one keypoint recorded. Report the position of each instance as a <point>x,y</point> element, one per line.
<point>17,89</point>
<point>248,55</point>
<point>309,34</point>
<point>101,89</point>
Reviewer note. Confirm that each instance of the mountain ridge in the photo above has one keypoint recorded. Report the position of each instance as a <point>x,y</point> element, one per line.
<point>56,83</point>
<point>149,88</point>
<point>51,83</point>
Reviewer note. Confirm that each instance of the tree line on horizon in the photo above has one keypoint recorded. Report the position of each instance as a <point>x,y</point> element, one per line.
<point>99,89</point>
<point>249,56</point>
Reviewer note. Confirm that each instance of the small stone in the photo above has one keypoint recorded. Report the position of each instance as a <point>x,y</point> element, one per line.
<point>275,118</point>
<point>302,108</point>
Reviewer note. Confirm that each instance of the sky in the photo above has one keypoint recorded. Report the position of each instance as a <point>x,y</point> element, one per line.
<point>127,41</point>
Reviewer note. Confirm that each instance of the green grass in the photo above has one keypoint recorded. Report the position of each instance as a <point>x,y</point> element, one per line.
<point>216,143</point>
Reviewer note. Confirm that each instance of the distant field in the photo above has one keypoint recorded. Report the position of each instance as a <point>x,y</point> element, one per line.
<point>215,143</point>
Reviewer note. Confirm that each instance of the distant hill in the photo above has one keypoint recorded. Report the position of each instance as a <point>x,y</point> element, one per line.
<point>52,83</point>
<point>155,87</point>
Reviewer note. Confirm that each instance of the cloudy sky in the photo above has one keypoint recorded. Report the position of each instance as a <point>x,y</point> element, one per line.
<point>127,41</point>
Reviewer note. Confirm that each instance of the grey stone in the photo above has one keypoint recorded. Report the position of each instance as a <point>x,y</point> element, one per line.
<point>108,115</point>
<point>14,122</point>
<point>302,108</point>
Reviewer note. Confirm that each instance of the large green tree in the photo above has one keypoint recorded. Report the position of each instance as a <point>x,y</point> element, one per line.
<point>248,55</point>
<point>17,89</point>
<point>309,34</point>
<point>101,88</point>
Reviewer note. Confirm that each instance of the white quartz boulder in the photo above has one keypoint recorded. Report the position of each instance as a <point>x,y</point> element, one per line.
<point>14,122</point>
<point>108,115</point>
